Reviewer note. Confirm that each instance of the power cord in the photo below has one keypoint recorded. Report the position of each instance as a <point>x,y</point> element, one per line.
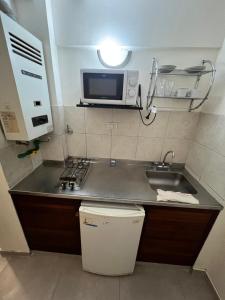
<point>149,114</point>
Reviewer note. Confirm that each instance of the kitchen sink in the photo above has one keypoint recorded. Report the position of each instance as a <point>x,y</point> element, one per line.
<point>170,181</point>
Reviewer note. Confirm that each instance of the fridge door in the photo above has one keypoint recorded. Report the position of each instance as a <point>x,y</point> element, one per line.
<point>110,237</point>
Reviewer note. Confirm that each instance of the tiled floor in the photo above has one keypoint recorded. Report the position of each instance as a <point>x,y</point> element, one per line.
<point>43,276</point>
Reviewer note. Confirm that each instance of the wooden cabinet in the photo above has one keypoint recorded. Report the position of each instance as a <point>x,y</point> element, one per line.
<point>170,235</point>
<point>174,235</point>
<point>49,224</point>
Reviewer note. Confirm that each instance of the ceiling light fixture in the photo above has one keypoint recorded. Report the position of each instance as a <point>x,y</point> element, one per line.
<point>112,55</point>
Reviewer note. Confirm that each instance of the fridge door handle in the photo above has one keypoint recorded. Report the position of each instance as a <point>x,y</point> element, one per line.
<point>89,224</point>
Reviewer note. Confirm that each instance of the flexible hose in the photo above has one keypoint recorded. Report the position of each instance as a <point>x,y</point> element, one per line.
<point>36,144</point>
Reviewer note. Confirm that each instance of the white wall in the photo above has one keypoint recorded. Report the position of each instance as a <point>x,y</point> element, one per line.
<point>73,59</point>
<point>216,103</point>
<point>142,23</point>
<point>10,4</point>
<point>11,233</point>
<point>212,256</point>
<point>129,139</point>
<point>206,161</point>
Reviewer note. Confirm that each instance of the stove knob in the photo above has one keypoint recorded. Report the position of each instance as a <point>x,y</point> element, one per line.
<point>71,186</point>
<point>77,187</point>
<point>63,185</point>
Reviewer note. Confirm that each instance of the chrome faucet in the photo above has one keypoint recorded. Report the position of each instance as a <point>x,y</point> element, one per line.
<point>165,156</point>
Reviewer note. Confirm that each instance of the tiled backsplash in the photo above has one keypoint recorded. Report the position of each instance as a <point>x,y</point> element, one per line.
<point>56,148</point>
<point>120,134</point>
<point>14,169</point>
<point>206,159</point>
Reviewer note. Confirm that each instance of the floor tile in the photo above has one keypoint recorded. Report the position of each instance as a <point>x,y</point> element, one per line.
<point>52,276</point>
<point>151,281</point>
<point>74,283</point>
<point>29,277</point>
<point>196,285</point>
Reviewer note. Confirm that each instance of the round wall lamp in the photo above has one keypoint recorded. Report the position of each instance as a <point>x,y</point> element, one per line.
<point>113,56</point>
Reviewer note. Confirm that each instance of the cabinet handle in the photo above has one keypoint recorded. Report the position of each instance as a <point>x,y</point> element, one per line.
<point>77,214</point>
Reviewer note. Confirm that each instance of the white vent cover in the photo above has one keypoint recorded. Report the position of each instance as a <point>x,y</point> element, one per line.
<point>24,49</point>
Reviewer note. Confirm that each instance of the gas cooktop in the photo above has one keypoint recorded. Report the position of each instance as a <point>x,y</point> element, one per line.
<point>74,174</point>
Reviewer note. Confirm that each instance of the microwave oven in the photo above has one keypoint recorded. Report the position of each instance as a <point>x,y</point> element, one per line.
<point>103,86</point>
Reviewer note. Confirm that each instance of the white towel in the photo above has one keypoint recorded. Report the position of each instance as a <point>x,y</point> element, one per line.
<point>176,197</point>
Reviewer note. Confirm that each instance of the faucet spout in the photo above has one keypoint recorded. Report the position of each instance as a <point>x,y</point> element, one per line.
<point>165,157</point>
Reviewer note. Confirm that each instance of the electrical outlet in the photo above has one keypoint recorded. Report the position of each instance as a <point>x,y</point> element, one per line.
<point>111,125</point>
<point>154,109</point>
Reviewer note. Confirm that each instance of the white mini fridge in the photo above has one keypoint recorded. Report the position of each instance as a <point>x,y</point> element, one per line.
<point>110,236</point>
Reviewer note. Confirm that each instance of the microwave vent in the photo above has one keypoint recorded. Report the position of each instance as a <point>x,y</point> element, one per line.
<point>24,49</point>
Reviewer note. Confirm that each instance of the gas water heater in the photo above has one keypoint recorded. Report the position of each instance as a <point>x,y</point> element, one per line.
<point>24,98</point>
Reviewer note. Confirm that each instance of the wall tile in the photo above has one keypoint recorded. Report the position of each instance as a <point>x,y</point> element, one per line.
<point>74,117</point>
<point>77,144</point>
<point>96,120</point>
<point>180,147</point>
<point>198,158</point>
<point>157,128</point>
<point>207,130</point>
<point>58,119</point>
<point>65,145</point>
<point>15,168</point>
<point>214,174</point>
<point>149,149</point>
<point>182,125</point>
<point>36,159</point>
<point>127,122</point>
<point>98,145</point>
<point>54,149</point>
<point>124,147</point>
<point>220,135</point>
<point>211,132</point>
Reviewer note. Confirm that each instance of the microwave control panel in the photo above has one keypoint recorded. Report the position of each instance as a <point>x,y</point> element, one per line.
<point>132,87</point>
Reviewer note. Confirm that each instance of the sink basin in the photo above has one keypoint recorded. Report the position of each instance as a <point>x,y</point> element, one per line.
<point>170,181</point>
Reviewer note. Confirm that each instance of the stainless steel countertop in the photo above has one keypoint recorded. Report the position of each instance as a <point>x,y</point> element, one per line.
<point>124,183</point>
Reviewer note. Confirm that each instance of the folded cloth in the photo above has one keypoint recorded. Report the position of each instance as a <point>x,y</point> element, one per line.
<point>176,197</point>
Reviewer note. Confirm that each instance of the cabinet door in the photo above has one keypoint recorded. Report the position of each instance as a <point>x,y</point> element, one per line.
<point>174,235</point>
<point>49,224</point>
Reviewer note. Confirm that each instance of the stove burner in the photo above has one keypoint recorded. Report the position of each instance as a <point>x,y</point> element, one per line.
<point>74,175</point>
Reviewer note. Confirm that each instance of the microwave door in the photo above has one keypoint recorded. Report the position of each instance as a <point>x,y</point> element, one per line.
<point>103,88</point>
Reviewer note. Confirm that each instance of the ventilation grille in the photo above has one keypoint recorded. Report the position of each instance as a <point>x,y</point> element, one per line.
<point>25,50</point>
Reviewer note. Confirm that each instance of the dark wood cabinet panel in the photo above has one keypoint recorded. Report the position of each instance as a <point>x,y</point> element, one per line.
<point>49,224</point>
<point>54,241</point>
<point>174,235</point>
<point>170,235</point>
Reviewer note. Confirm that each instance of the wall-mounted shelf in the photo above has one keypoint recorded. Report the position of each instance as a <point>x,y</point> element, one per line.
<point>95,105</point>
<point>179,72</point>
<point>178,98</point>
<point>155,73</point>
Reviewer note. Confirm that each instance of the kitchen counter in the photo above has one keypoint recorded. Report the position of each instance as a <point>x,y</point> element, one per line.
<point>124,183</point>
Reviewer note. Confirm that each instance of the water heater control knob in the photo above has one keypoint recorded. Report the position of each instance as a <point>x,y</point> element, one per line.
<point>132,81</point>
<point>131,92</point>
